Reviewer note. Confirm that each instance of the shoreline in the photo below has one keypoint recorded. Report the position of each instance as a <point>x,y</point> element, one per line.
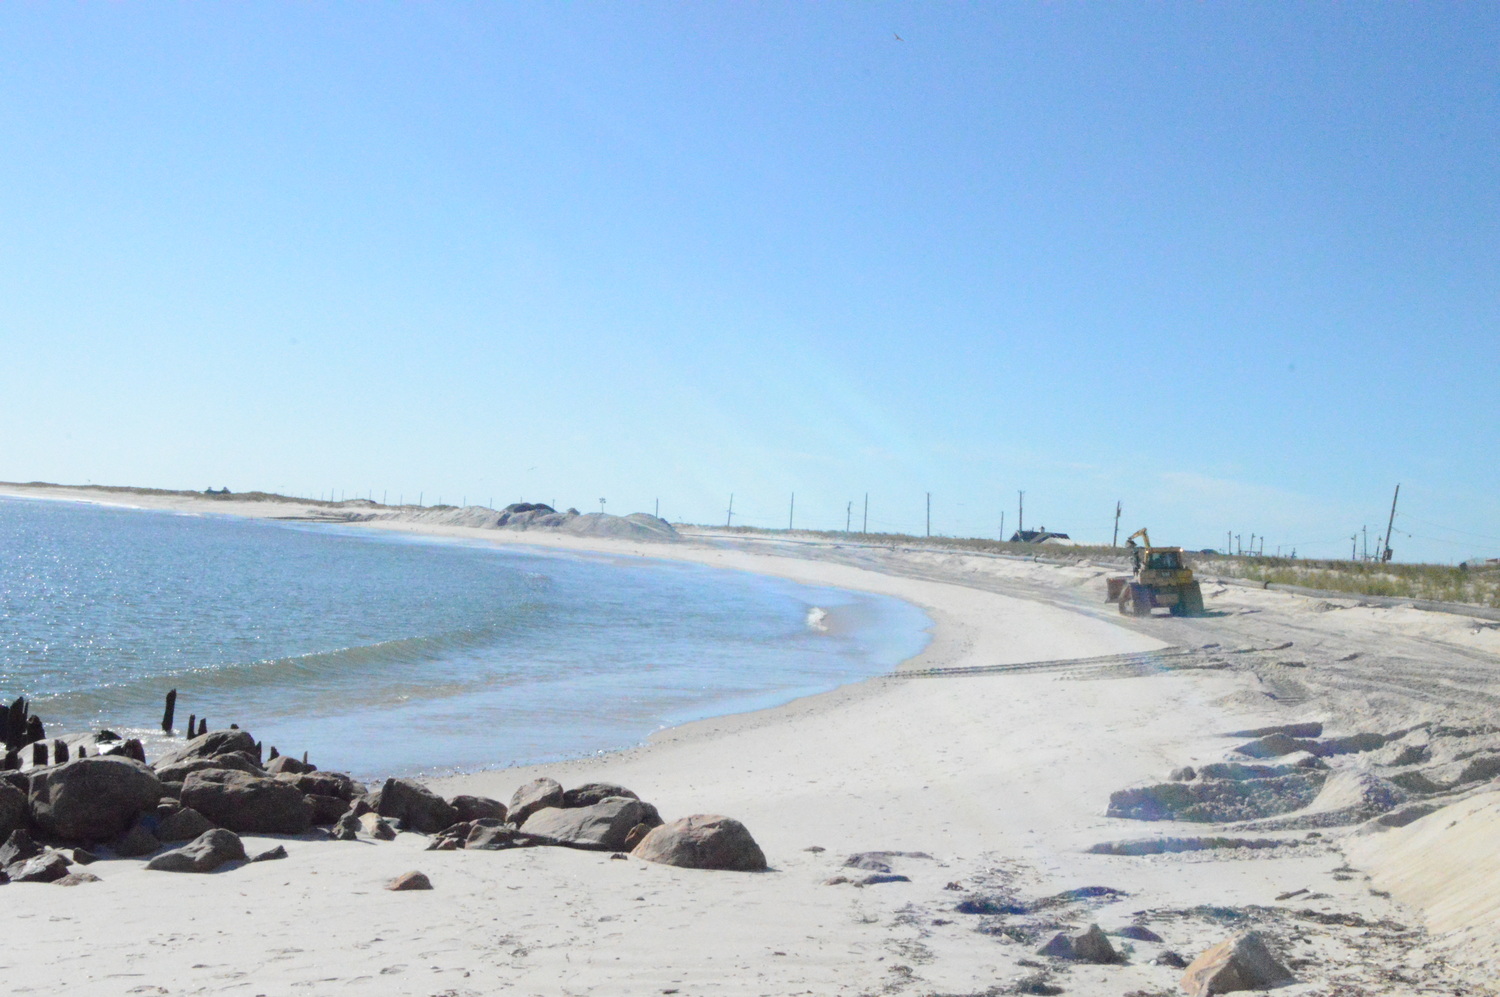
<point>973,786</point>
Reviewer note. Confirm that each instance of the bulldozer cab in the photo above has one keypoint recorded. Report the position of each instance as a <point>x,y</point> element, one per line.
<point>1164,560</point>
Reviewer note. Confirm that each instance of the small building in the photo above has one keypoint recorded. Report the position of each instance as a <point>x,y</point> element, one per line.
<point>1035,536</point>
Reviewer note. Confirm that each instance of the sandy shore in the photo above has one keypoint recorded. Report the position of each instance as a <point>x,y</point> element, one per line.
<point>996,784</point>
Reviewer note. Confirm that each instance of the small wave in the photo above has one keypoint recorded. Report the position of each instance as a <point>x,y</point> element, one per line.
<point>817,619</point>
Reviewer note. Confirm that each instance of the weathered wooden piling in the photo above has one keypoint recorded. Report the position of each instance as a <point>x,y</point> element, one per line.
<point>39,754</point>
<point>34,730</point>
<point>166,718</point>
<point>274,753</point>
<point>203,726</point>
<point>59,752</point>
<point>192,730</point>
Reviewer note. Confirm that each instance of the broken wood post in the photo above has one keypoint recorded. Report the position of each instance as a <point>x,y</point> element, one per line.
<point>38,754</point>
<point>82,753</point>
<point>59,752</point>
<point>166,718</point>
<point>15,723</point>
<point>192,730</point>
<point>34,731</point>
<point>203,726</point>
<point>274,753</point>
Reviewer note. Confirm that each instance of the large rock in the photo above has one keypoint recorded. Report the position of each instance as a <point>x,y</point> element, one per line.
<point>47,867</point>
<point>287,765</point>
<point>240,801</point>
<point>415,806</point>
<point>533,796</point>
<point>1239,963</point>
<point>92,799</point>
<point>595,792</point>
<point>1082,946</point>
<point>478,808</point>
<point>12,810</point>
<point>703,841</point>
<point>335,784</point>
<point>183,825</point>
<point>138,841</point>
<point>179,771</point>
<point>18,847</point>
<point>215,742</point>
<point>205,853</point>
<point>602,826</point>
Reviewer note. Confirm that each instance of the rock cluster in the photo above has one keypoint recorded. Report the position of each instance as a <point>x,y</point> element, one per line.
<point>217,786</point>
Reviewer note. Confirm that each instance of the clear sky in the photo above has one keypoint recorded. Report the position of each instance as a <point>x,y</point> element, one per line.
<point>1234,265</point>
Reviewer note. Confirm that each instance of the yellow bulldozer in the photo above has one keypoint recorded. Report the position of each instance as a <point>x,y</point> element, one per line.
<point>1162,579</point>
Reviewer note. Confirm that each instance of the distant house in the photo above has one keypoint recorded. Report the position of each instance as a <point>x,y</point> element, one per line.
<point>1035,536</point>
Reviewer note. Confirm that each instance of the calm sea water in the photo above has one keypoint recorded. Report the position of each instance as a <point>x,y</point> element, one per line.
<point>381,653</point>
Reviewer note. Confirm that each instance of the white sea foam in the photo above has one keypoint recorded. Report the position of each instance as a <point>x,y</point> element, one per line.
<point>817,618</point>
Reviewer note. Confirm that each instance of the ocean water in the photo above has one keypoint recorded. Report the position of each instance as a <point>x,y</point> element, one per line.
<point>382,653</point>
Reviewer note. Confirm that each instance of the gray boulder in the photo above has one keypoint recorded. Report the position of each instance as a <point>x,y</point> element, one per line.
<point>327,809</point>
<point>602,826</point>
<point>493,837</point>
<point>215,742</point>
<point>179,771</point>
<point>478,808</point>
<point>240,801</point>
<point>185,824</point>
<point>1239,963</point>
<point>47,867</point>
<point>595,792</point>
<point>205,853</point>
<point>1083,946</point>
<point>346,828</point>
<point>287,765</point>
<point>13,812</point>
<point>703,841</point>
<point>94,798</point>
<point>137,841</point>
<point>335,784</point>
<point>533,796</point>
<point>18,847</point>
<point>415,806</point>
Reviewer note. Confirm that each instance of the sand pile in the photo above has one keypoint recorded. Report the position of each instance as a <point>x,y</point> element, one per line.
<point>538,516</point>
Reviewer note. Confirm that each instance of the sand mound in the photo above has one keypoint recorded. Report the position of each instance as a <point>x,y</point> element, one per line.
<point>1447,865</point>
<point>529,516</point>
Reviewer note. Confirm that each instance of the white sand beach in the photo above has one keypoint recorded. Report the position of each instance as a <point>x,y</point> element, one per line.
<point>984,787</point>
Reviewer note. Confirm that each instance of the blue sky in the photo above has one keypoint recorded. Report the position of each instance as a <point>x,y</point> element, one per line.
<point>1234,265</point>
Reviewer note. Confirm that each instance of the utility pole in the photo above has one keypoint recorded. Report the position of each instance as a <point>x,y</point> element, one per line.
<point>1353,546</point>
<point>1364,542</point>
<point>792,511</point>
<point>1115,540</point>
<point>1020,514</point>
<point>658,508</point>
<point>730,517</point>
<point>929,514</point>
<point>848,513</point>
<point>1002,526</point>
<point>1385,555</point>
<point>1238,550</point>
<point>865,529</point>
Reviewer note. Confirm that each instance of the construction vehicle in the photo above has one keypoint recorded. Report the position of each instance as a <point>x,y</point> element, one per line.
<point>1162,579</point>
